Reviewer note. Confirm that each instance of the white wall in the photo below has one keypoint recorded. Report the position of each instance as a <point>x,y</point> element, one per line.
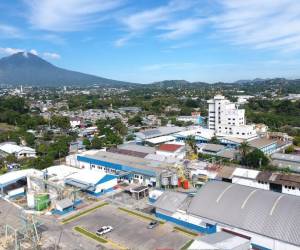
<point>106,185</point>
<point>290,190</point>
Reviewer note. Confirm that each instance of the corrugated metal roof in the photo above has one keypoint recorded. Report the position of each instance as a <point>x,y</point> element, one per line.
<point>170,201</point>
<point>261,143</point>
<point>137,148</point>
<point>127,152</point>
<point>267,213</point>
<point>286,157</point>
<point>213,147</point>
<point>160,131</point>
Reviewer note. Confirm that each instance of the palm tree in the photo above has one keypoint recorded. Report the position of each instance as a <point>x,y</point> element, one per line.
<point>244,149</point>
<point>191,142</point>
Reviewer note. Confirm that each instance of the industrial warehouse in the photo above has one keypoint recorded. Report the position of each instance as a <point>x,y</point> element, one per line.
<point>269,219</point>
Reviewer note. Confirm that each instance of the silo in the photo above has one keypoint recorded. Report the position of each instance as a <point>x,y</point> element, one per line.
<point>165,179</point>
<point>30,200</point>
<point>174,179</point>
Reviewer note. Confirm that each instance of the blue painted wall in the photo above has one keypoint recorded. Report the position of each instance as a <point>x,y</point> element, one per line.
<point>207,230</point>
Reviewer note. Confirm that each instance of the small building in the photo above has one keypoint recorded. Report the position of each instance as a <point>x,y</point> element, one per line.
<point>279,182</point>
<point>159,140</point>
<point>267,146</point>
<point>144,135</point>
<point>93,182</point>
<point>211,149</point>
<point>64,205</point>
<point>11,148</point>
<point>201,135</point>
<point>137,148</point>
<point>171,150</point>
<point>15,180</point>
<point>290,161</point>
<point>220,241</point>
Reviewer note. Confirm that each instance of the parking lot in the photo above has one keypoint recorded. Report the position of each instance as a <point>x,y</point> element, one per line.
<point>130,232</point>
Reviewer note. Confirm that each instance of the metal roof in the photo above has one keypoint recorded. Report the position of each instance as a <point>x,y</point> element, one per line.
<point>292,180</point>
<point>65,203</point>
<point>267,213</point>
<point>161,139</point>
<point>156,132</point>
<point>170,201</point>
<point>261,143</point>
<point>218,241</point>
<point>127,152</point>
<point>226,172</point>
<point>213,147</point>
<point>126,162</point>
<point>286,157</point>
<point>137,148</point>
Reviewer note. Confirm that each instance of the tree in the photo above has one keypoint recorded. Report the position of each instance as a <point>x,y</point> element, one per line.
<point>244,149</point>
<point>296,140</point>
<point>256,159</point>
<point>42,149</point>
<point>130,137</point>
<point>290,149</point>
<point>136,120</point>
<point>60,121</point>
<point>86,142</point>
<point>214,140</point>
<point>96,143</point>
<point>191,142</point>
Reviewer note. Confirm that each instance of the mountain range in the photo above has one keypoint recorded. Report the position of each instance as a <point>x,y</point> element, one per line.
<point>25,68</point>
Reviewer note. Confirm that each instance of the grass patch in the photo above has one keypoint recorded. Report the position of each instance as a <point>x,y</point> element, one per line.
<point>187,245</point>
<point>144,216</point>
<point>185,231</point>
<point>71,218</point>
<point>90,234</point>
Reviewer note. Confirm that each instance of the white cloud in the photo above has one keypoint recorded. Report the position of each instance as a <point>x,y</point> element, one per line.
<point>264,24</point>
<point>8,31</point>
<point>151,18</point>
<point>68,15</point>
<point>50,55</point>
<point>34,52</point>
<point>182,28</point>
<point>10,51</point>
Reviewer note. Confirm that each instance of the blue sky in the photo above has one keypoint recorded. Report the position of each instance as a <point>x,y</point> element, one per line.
<point>151,40</point>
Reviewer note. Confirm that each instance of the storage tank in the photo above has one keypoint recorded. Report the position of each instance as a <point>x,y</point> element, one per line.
<point>185,184</point>
<point>30,200</point>
<point>174,179</point>
<point>41,201</point>
<point>165,179</point>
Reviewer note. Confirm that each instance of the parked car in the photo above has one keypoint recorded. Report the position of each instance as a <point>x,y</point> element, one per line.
<point>153,224</point>
<point>104,230</point>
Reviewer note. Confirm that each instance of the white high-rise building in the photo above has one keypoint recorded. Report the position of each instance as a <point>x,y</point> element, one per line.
<point>226,119</point>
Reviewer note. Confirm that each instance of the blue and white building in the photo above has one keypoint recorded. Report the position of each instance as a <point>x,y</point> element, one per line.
<point>128,168</point>
<point>94,182</point>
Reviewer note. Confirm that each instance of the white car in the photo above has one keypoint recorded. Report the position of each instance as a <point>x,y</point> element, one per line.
<point>104,230</point>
